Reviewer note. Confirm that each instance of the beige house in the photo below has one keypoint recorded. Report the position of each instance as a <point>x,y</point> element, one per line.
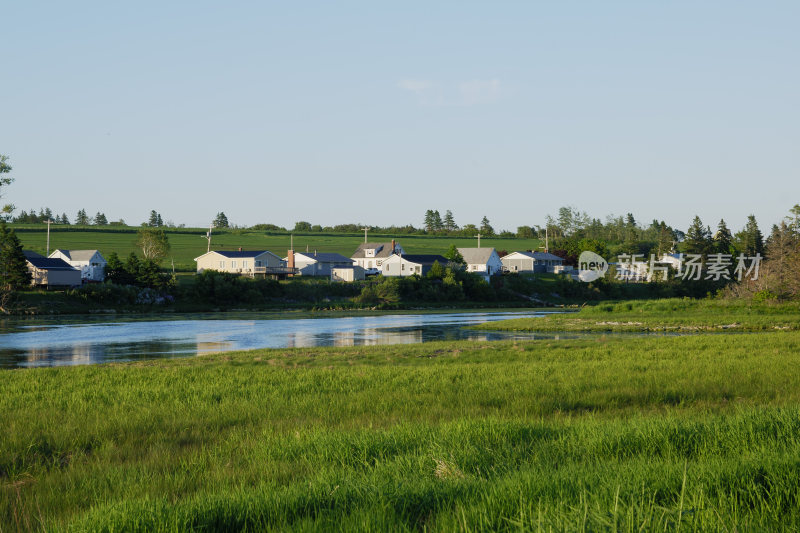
<point>47,272</point>
<point>348,273</point>
<point>244,262</point>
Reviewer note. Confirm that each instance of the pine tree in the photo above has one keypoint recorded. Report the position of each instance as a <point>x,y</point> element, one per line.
<point>486,228</point>
<point>159,221</point>
<point>723,240</point>
<point>750,241</point>
<point>100,219</point>
<point>449,221</point>
<point>153,220</point>
<point>437,221</point>
<point>698,238</point>
<point>430,222</point>
<point>454,255</point>
<point>222,221</point>
<point>14,273</point>
<point>82,219</point>
<point>64,219</point>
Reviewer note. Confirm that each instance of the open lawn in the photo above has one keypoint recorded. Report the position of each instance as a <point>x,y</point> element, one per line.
<point>677,315</point>
<point>697,432</point>
<point>187,244</point>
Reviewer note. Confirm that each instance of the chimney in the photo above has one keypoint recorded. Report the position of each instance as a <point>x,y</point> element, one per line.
<point>290,259</point>
<point>240,248</point>
<point>394,245</point>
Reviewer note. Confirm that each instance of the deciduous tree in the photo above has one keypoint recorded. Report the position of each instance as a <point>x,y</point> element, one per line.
<point>154,244</point>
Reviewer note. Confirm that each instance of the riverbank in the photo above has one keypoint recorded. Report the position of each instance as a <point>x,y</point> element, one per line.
<point>668,315</point>
<point>647,433</point>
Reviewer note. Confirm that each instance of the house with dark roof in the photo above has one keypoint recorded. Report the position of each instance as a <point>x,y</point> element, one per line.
<point>48,272</point>
<point>244,262</point>
<point>370,255</point>
<point>532,262</point>
<point>410,264</point>
<point>91,263</point>
<point>318,263</point>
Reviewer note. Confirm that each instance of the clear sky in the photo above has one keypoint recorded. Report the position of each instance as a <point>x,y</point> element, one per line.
<point>372,112</point>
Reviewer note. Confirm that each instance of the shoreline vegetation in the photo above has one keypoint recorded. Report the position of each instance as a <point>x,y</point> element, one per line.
<point>665,315</point>
<point>696,432</point>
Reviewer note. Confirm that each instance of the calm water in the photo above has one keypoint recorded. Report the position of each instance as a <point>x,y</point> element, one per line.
<point>99,342</point>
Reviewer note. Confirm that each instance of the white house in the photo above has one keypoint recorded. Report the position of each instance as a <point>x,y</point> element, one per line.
<point>408,265</point>
<point>90,262</point>
<point>482,261</point>
<point>370,255</point>
<point>318,264</point>
<point>531,262</point>
<point>245,262</point>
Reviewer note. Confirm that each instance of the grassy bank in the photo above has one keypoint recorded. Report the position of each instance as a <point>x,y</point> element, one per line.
<point>676,315</point>
<point>696,432</point>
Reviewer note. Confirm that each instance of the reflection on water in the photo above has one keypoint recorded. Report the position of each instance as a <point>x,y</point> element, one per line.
<point>87,343</point>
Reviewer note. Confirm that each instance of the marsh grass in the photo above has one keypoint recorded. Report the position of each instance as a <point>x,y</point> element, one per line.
<point>610,434</point>
<point>674,314</point>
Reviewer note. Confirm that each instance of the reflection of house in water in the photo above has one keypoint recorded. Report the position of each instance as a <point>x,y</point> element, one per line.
<point>79,354</point>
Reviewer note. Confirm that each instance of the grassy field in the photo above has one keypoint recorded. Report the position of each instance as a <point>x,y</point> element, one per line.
<point>677,315</point>
<point>187,244</point>
<point>697,432</point>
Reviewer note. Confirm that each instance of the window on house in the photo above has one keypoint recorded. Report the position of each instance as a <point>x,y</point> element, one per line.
<point>244,264</point>
<point>233,264</point>
<point>402,266</point>
<point>259,264</point>
<point>222,264</point>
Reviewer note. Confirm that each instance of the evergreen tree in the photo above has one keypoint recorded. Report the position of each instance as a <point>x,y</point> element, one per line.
<point>723,240</point>
<point>159,221</point>
<point>222,221</point>
<point>437,221</point>
<point>14,274</point>
<point>64,219</point>
<point>698,238</point>
<point>449,221</point>
<point>750,241</point>
<point>486,228</point>
<point>82,219</point>
<point>666,239</point>
<point>430,221</point>
<point>100,219</point>
<point>153,220</point>
<point>5,168</point>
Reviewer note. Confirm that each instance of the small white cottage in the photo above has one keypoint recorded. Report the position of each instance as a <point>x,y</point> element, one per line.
<point>90,262</point>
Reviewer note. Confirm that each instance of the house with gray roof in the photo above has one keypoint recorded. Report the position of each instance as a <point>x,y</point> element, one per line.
<point>318,264</point>
<point>410,264</point>
<point>244,262</point>
<point>370,255</point>
<point>482,261</point>
<point>532,262</point>
<point>91,263</point>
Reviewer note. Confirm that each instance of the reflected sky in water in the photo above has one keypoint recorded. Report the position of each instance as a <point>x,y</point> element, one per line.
<point>91,343</point>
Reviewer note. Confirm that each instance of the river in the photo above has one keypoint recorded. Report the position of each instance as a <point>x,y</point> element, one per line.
<point>56,342</point>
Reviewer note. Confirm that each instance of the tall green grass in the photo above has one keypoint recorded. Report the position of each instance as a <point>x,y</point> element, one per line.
<point>671,314</point>
<point>611,434</point>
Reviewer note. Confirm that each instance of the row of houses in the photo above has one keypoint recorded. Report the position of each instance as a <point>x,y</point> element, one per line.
<point>74,267</point>
<point>387,258</point>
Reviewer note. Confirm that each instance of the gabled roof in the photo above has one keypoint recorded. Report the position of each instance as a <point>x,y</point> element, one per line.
<point>237,254</point>
<point>46,263</point>
<point>539,256</point>
<point>30,253</point>
<point>324,257</point>
<point>476,256</point>
<point>384,250</point>
<point>78,255</point>
<point>424,259</point>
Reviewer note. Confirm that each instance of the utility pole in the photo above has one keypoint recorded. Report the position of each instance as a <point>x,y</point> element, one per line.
<point>208,237</point>
<point>479,239</point>
<point>48,236</point>
<point>365,234</point>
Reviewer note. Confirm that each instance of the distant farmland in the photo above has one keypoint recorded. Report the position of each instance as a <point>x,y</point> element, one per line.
<point>188,243</point>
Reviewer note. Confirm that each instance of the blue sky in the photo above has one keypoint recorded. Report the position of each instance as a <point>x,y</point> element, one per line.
<point>373,113</point>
